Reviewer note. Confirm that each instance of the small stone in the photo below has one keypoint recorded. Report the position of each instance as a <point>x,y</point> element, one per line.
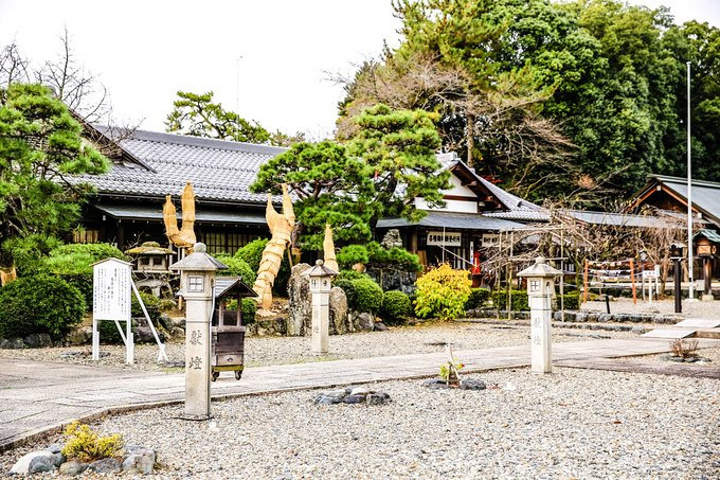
<point>473,384</point>
<point>435,383</point>
<point>380,326</point>
<point>326,400</point>
<point>106,465</point>
<point>55,447</point>
<point>354,399</point>
<point>359,391</point>
<point>73,468</point>
<point>377,398</point>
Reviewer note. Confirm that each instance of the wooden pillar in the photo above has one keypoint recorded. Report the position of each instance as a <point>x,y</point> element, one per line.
<point>413,240</point>
<point>120,236</point>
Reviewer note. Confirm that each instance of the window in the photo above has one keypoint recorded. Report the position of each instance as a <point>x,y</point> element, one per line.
<point>218,242</point>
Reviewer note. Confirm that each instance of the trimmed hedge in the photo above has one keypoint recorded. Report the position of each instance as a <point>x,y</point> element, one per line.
<point>519,300</point>
<point>572,301</point>
<point>478,298</point>
<point>374,256</point>
<point>395,308</point>
<point>350,275</point>
<point>39,304</point>
<point>363,295</point>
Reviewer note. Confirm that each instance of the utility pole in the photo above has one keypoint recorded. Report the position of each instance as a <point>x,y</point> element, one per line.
<point>691,293</point>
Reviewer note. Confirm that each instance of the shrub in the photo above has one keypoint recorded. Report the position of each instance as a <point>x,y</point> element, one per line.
<point>73,263</point>
<point>519,300</point>
<point>249,307</point>
<point>85,445</point>
<point>478,297</point>
<point>571,301</point>
<point>352,254</point>
<point>39,304</point>
<point>393,258</point>
<point>351,275</point>
<point>252,255</point>
<point>237,267</point>
<point>442,292</point>
<point>363,295</point>
<point>395,307</point>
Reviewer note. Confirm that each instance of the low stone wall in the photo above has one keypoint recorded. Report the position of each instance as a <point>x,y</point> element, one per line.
<point>581,317</point>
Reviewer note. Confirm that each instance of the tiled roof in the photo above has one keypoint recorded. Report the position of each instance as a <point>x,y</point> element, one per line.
<point>705,195</point>
<point>218,170</point>
<point>466,221</point>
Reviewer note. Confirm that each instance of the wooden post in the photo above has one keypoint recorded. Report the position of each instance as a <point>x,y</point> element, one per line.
<point>632,280</point>
<point>585,283</point>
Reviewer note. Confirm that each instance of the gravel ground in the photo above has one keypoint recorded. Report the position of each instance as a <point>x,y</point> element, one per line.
<point>695,309</point>
<point>261,351</point>
<point>571,424</point>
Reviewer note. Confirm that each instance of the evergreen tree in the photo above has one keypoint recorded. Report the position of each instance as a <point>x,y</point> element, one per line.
<point>40,149</point>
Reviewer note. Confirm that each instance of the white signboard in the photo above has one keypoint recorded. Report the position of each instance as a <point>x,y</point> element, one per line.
<point>651,274</point>
<point>490,240</point>
<point>446,239</point>
<point>111,290</point>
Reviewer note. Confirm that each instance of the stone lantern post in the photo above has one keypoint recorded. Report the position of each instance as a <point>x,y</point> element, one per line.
<point>541,286</point>
<point>197,284</point>
<point>320,285</point>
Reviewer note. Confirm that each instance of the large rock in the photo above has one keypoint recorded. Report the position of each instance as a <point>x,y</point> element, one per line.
<point>105,466</point>
<point>38,340</point>
<point>338,311</point>
<point>80,335</point>
<point>72,469</point>
<point>300,313</point>
<point>362,322</point>
<point>390,279</point>
<point>139,460</point>
<point>36,462</point>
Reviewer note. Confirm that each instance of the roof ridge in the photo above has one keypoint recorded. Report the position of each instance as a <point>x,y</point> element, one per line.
<point>666,178</point>
<point>203,142</point>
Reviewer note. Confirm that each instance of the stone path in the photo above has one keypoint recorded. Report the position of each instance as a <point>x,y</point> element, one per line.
<point>36,398</point>
<point>685,329</point>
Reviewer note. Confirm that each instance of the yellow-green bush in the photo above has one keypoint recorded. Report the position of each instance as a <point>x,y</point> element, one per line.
<point>85,445</point>
<point>442,292</point>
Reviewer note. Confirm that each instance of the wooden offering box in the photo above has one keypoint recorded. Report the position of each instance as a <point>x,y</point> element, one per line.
<point>228,332</point>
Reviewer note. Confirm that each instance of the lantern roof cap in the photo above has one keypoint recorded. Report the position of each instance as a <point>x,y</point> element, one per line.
<point>199,260</point>
<point>320,270</point>
<point>540,269</point>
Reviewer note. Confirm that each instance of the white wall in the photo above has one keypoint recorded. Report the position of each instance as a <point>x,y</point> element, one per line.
<point>458,206</point>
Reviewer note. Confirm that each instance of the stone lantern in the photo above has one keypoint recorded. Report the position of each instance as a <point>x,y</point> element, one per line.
<point>320,285</point>
<point>540,287</point>
<point>197,283</point>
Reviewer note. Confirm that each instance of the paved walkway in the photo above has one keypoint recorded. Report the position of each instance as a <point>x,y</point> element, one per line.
<point>37,398</point>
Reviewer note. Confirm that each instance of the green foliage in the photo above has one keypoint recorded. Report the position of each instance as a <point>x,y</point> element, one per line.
<point>195,114</point>
<point>73,263</point>
<point>351,275</point>
<point>557,99</point>
<point>249,307</point>
<point>352,254</point>
<point>363,295</point>
<point>396,307</point>
<point>331,187</point>
<point>39,304</point>
<point>84,445</point>
<point>29,253</point>
<point>571,301</point>
<point>399,147</point>
<point>252,255</point>
<point>40,146</point>
<point>519,300</point>
<point>478,298</point>
<point>448,372</point>
<point>237,267</point>
<point>393,258</point>
<point>442,292</point>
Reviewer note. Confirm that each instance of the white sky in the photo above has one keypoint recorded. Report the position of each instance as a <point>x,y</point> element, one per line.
<point>144,51</point>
